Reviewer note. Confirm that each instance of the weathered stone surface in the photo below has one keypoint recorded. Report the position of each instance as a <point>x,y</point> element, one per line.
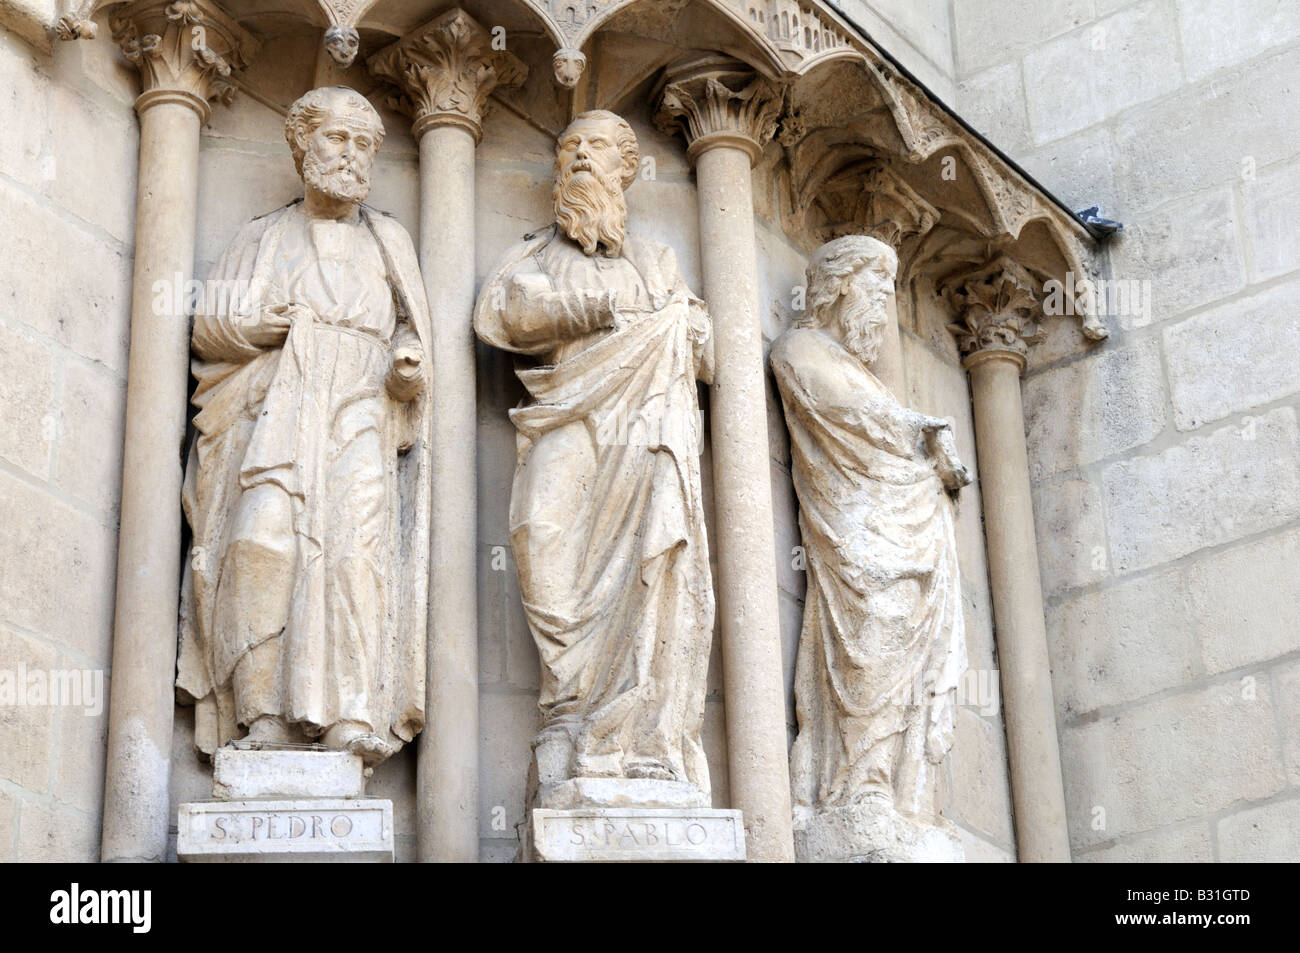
<point>1071,534</point>
<point>1272,209</point>
<point>993,101</point>
<point>1138,766</point>
<point>58,569</point>
<point>1216,35</point>
<point>92,141</point>
<point>55,834</point>
<point>30,19</point>
<point>1186,845</point>
<point>1243,602</point>
<point>1121,642</point>
<point>1239,355</point>
<point>981,798</point>
<point>507,724</point>
<point>8,819</point>
<point>1286,684</point>
<point>1080,170</point>
<point>1242,107</point>
<point>987,35</point>
<point>1089,75</point>
<point>863,833</point>
<point>1269,833</point>
<point>980,851</point>
<point>26,393</point>
<point>1204,491</point>
<point>577,794</point>
<point>1093,408</point>
<point>79,757</point>
<point>239,775</point>
<point>88,308</point>
<point>26,730</point>
<point>1184,256</point>
<point>637,835</point>
<point>286,831</point>
<point>92,413</point>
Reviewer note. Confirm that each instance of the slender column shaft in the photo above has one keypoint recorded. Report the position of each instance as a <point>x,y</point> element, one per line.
<point>1041,833</point>
<point>746,544</point>
<point>447,777</point>
<point>148,562</point>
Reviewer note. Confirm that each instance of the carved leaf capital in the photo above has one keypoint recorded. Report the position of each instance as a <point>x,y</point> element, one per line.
<point>998,306</point>
<point>446,70</point>
<point>717,98</point>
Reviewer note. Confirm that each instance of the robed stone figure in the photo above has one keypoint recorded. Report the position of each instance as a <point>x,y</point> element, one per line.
<point>883,645</point>
<point>606,521</point>
<point>307,487</point>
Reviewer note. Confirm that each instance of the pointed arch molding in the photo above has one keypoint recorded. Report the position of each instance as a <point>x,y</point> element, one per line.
<point>874,122</point>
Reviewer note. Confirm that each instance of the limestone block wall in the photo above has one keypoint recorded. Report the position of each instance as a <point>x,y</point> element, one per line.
<point>67,208</point>
<point>918,33</point>
<point>1166,464</point>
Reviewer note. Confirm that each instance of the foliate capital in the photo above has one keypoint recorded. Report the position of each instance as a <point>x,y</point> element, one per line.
<point>998,307</point>
<point>446,70</point>
<point>718,101</point>
<point>186,50</point>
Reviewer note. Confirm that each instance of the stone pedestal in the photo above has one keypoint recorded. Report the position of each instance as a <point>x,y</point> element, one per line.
<point>636,835</point>
<point>277,806</point>
<point>875,833</point>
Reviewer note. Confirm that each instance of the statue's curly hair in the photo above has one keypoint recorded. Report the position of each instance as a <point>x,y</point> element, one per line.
<point>830,268</point>
<point>312,108</point>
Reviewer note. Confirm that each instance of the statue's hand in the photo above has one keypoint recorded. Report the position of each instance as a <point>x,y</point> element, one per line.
<point>270,326</point>
<point>941,447</point>
<point>406,376</point>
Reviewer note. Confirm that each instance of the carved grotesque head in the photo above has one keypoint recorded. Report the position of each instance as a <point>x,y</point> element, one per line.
<point>596,160</point>
<point>849,284</point>
<point>334,134</point>
<point>568,65</point>
<point>342,42</point>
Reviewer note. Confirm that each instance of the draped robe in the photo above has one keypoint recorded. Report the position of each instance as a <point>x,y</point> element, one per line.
<point>328,604</point>
<point>883,641</point>
<point>606,519</point>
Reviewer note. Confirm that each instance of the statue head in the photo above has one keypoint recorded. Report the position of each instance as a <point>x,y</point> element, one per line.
<point>342,42</point>
<point>568,65</point>
<point>596,160</point>
<point>849,283</point>
<point>334,134</point>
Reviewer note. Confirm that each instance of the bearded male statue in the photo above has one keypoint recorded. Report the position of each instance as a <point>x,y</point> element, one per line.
<point>883,643</point>
<point>606,521</point>
<point>303,610</point>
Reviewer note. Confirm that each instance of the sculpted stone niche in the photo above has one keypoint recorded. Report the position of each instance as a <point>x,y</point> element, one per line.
<point>606,519</point>
<point>303,615</point>
<point>883,642</point>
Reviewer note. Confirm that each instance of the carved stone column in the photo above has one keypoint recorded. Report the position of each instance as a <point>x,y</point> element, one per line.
<point>446,70</point>
<point>727,113</point>
<point>998,305</point>
<point>185,51</point>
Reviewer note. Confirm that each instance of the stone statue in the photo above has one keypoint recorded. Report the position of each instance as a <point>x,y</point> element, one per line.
<point>883,643</point>
<point>606,521</point>
<point>303,615</point>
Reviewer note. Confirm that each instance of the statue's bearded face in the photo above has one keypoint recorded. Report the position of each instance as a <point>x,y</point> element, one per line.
<point>338,156</point>
<point>588,194</point>
<point>864,309</point>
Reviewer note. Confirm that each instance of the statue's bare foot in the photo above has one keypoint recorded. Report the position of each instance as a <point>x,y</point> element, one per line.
<point>357,738</point>
<point>650,771</point>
